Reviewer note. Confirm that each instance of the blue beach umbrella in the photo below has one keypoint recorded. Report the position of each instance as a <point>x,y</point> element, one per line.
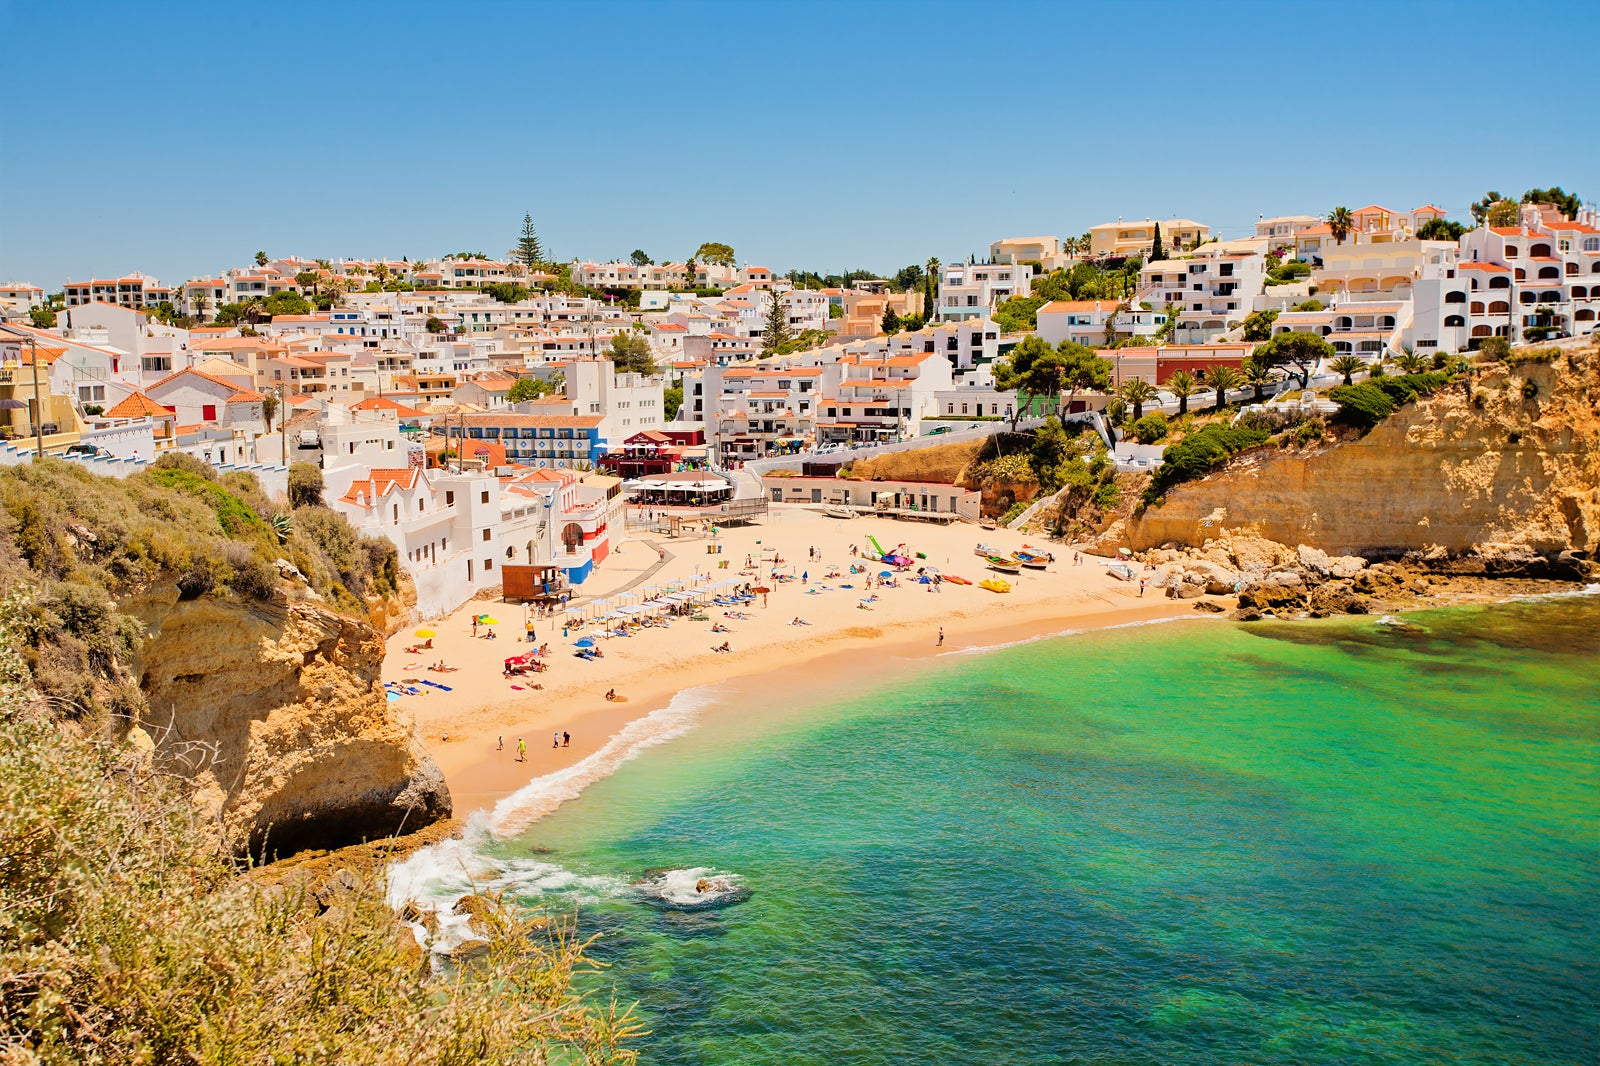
<point>586,642</point>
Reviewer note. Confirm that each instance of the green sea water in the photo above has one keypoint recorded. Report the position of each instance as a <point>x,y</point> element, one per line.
<point>1306,842</point>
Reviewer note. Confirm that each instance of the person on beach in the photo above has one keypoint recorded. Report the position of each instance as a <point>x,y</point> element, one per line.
<point>555,739</point>
<point>566,739</point>
<point>500,743</point>
<point>474,625</point>
<point>941,637</point>
<point>529,628</point>
<point>1143,581</point>
<point>611,693</point>
<point>522,750</point>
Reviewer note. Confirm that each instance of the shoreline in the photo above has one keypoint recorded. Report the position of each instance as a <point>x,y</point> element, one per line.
<point>650,669</point>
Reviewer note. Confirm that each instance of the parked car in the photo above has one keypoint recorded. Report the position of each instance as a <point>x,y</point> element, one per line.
<point>89,450</point>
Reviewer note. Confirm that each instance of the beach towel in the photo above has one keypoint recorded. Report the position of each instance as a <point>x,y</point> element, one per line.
<point>435,684</point>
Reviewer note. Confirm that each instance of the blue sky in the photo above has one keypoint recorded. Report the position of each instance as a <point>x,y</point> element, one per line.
<point>178,139</point>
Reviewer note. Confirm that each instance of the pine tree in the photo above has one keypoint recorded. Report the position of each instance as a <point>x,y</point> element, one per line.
<point>529,251</point>
<point>776,334</point>
<point>891,321</point>
<point>1156,251</point>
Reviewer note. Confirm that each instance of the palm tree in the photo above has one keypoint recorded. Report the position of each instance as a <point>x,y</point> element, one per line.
<point>1411,362</point>
<point>1341,222</point>
<point>1138,392</point>
<point>932,283</point>
<point>1183,385</point>
<point>1257,375</point>
<point>1222,378</point>
<point>1346,365</point>
<point>200,304</point>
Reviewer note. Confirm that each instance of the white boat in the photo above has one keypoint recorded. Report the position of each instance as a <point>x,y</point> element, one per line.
<point>838,510</point>
<point>1122,571</point>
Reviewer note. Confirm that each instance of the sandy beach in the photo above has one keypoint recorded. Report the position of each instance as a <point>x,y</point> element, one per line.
<point>464,727</point>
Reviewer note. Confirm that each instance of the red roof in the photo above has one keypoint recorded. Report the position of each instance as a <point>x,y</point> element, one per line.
<point>138,405</point>
<point>379,483</point>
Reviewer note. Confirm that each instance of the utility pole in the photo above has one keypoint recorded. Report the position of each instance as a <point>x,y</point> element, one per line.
<point>283,425</point>
<point>38,404</point>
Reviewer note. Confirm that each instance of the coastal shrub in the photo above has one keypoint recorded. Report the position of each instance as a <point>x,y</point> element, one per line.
<point>1530,389</point>
<point>1151,428</point>
<point>126,937</point>
<point>1200,453</point>
<point>305,485</point>
<point>1541,356</point>
<point>1107,496</point>
<point>1363,405</point>
<point>64,529</point>
<point>1494,349</point>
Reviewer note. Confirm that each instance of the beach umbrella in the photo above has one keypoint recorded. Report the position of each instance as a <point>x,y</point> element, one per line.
<point>885,573</point>
<point>761,590</point>
<point>486,620</point>
<point>585,642</point>
<point>13,405</point>
<point>425,633</point>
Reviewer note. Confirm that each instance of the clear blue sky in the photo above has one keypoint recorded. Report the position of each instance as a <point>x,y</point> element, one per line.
<point>180,138</point>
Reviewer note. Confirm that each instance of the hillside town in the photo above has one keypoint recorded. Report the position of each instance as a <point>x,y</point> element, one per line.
<point>485,414</point>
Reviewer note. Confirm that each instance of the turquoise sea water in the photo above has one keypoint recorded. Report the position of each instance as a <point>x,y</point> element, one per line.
<point>1315,842</point>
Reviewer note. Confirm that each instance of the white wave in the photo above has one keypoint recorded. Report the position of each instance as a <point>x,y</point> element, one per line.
<point>437,876</point>
<point>680,887</point>
<point>544,794</point>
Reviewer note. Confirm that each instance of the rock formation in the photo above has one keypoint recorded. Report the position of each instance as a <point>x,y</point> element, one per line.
<point>275,712</point>
<point>1498,474</point>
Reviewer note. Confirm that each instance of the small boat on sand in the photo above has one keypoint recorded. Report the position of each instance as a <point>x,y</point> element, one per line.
<point>995,584</point>
<point>954,580</point>
<point>1122,571</point>
<point>1005,565</point>
<point>983,551</point>
<point>838,510</point>
<point>1033,562</point>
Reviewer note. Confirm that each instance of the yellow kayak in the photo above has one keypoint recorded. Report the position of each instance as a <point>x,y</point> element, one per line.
<point>995,584</point>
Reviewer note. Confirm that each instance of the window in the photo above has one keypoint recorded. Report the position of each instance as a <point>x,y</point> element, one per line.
<point>1455,297</point>
<point>488,564</point>
<point>483,497</point>
<point>1511,251</point>
<point>486,534</point>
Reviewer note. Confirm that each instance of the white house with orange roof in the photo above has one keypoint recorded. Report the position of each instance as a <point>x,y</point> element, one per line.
<point>751,411</point>
<point>876,398</point>
<point>1280,231</point>
<point>1215,287</point>
<point>19,297</point>
<point>197,398</point>
<point>1079,321</point>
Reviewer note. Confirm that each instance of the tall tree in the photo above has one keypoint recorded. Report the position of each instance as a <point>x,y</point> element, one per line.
<point>1182,385</point>
<point>529,250</point>
<point>689,270</point>
<point>1138,392</point>
<point>932,277</point>
<point>1156,250</point>
<point>638,258</point>
<point>891,321</point>
<point>1257,375</point>
<point>776,332</point>
<point>714,252</point>
<point>1480,208</point>
<point>1440,229</point>
<point>1296,348</point>
<point>1504,213</point>
<point>1222,378</point>
<point>1346,366</point>
<point>261,259</point>
<point>630,351</point>
<point>1566,201</point>
<point>1341,222</point>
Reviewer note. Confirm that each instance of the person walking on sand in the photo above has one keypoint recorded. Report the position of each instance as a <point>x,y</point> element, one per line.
<point>566,739</point>
<point>500,743</point>
<point>941,637</point>
<point>522,750</point>
<point>555,739</point>
<point>1143,581</point>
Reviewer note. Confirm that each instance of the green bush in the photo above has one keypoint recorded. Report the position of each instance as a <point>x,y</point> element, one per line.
<point>1494,349</point>
<point>1107,496</point>
<point>126,937</point>
<point>1363,405</point>
<point>1200,453</point>
<point>1151,428</point>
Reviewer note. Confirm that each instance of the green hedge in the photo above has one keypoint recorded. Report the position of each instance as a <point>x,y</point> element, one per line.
<point>1200,453</point>
<point>1366,404</point>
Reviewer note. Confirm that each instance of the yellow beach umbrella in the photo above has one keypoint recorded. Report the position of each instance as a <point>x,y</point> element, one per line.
<point>487,621</point>
<point>426,633</point>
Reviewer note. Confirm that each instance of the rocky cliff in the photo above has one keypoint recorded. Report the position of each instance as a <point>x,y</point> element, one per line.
<point>274,710</point>
<point>1502,468</point>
